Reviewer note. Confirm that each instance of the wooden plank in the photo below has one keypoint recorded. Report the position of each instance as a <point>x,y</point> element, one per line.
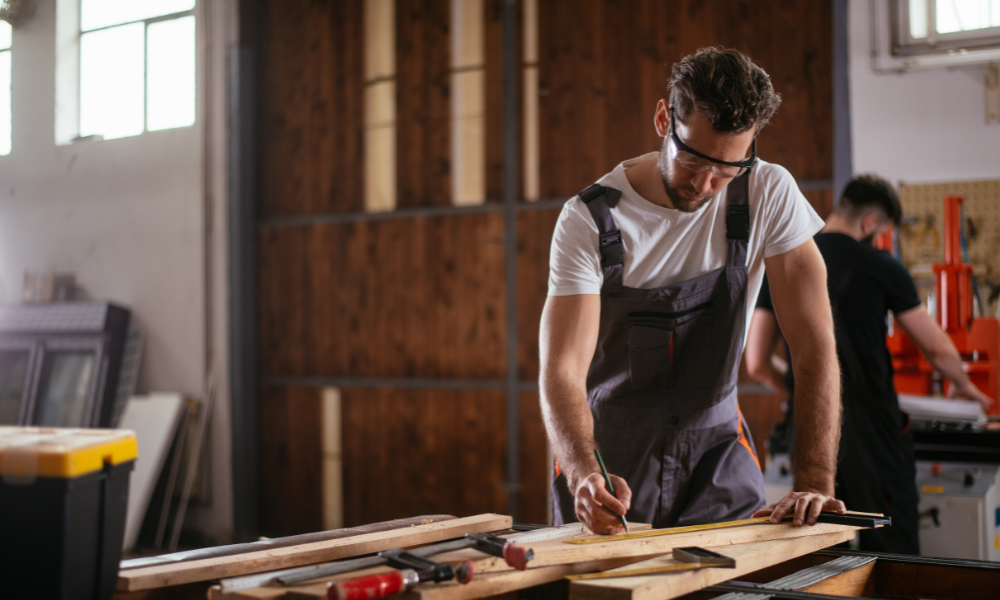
<point>856,583</point>
<point>749,557</point>
<point>560,552</point>
<point>306,554</point>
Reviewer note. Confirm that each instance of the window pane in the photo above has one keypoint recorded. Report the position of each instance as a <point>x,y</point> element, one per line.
<point>170,79</point>
<point>966,15</point>
<point>918,19</point>
<point>111,81</point>
<point>103,13</point>
<point>5,35</point>
<point>13,380</point>
<point>5,116</point>
<point>65,389</point>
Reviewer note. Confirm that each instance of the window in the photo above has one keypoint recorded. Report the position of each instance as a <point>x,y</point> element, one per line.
<point>946,26</point>
<point>6,34</point>
<point>136,66</point>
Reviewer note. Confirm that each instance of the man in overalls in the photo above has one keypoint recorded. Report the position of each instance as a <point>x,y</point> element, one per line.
<point>653,273</point>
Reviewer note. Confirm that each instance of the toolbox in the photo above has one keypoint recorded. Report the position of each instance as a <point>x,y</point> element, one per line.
<point>63,497</point>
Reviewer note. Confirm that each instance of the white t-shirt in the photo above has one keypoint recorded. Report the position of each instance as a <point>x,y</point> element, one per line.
<point>664,245</point>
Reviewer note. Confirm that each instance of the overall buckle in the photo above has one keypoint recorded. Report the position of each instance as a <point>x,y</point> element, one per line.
<point>738,222</point>
<point>612,249</point>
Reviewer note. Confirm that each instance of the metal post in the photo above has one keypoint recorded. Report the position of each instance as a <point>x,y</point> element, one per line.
<point>510,250</point>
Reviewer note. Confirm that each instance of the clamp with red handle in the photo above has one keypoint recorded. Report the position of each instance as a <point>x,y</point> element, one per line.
<point>413,570</point>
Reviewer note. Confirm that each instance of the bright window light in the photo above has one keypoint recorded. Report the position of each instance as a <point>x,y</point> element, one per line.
<point>111,81</point>
<point>170,74</point>
<point>95,14</point>
<point>6,33</point>
<point>918,19</point>
<point>5,115</point>
<point>137,66</point>
<point>967,15</point>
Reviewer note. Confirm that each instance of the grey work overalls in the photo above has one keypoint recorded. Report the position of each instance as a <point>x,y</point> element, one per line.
<point>662,383</point>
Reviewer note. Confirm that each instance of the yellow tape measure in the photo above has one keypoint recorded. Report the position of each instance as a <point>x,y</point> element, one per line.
<point>690,529</point>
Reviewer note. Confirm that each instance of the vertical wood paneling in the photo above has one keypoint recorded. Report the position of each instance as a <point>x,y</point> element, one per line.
<point>416,297</point>
<point>821,201</point>
<point>291,461</point>
<point>599,89</point>
<point>534,465</point>
<point>411,452</point>
<point>534,237</point>
<point>311,114</point>
<point>423,80</point>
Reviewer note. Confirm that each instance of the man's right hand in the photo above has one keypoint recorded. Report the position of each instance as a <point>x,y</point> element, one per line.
<point>597,508</point>
<point>970,391</point>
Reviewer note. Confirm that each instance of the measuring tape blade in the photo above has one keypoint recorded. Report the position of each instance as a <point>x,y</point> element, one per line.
<point>671,531</point>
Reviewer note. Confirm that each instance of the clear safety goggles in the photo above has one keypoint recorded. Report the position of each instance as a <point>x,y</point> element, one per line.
<point>695,161</point>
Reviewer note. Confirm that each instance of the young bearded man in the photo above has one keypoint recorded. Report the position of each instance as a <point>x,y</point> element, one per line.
<point>653,275</point>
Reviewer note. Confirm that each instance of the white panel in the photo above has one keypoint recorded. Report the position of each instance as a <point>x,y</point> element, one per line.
<point>111,81</point>
<point>380,169</point>
<point>170,79</point>
<point>333,480</point>
<point>467,48</point>
<point>104,13</point>
<point>5,115</point>
<point>468,138</point>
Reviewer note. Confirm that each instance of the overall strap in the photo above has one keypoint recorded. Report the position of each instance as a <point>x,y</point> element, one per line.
<point>600,200</point>
<point>738,220</point>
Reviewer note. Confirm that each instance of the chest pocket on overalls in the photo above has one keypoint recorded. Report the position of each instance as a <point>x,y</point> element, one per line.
<point>671,350</point>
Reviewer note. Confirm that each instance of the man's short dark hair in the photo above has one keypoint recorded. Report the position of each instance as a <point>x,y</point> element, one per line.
<point>867,191</point>
<point>727,87</point>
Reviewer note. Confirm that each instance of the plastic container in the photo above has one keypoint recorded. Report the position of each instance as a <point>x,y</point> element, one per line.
<point>63,497</point>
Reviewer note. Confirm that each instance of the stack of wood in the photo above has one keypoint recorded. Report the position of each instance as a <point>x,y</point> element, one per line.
<point>760,550</point>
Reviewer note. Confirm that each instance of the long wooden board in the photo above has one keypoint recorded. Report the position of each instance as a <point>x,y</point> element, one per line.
<point>749,557</point>
<point>306,554</point>
<point>561,553</point>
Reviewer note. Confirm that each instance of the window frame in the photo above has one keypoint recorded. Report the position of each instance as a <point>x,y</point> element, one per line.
<point>192,12</point>
<point>956,42</point>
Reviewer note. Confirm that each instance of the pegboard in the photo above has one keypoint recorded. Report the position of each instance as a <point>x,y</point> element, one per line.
<point>921,237</point>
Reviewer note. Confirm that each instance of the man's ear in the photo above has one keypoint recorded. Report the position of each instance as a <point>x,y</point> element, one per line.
<point>661,119</point>
<point>870,223</point>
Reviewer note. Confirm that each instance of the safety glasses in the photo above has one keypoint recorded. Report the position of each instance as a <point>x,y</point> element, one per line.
<point>695,161</point>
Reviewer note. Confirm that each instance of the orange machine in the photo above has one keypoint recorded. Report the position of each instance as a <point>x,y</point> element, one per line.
<point>977,338</point>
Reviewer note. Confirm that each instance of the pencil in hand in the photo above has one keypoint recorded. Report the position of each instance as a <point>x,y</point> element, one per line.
<point>611,486</point>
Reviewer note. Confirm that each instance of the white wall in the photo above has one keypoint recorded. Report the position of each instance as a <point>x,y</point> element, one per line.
<point>127,217</point>
<point>917,127</point>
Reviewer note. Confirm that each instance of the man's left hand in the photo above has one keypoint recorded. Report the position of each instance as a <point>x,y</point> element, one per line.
<point>806,506</point>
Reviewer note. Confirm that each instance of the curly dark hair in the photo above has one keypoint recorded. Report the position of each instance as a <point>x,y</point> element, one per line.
<point>732,92</point>
<point>866,191</point>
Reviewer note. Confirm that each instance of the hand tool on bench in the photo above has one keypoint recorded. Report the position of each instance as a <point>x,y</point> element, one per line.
<point>611,487</point>
<point>691,557</point>
<point>284,542</point>
<point>515,555</point>
<point>412,570</point>
<point>854,519</point>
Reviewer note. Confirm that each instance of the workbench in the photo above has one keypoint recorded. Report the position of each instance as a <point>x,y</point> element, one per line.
<point>770,561</point>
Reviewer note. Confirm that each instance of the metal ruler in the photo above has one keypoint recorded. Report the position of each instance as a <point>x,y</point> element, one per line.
<point>854,519</point>
<point>547,534</point>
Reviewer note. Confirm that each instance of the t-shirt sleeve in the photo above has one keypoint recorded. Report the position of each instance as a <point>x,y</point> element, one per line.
<point>789,218</point>
<point>764,297</point>
<point>897,285</point>
<point>574,259</point>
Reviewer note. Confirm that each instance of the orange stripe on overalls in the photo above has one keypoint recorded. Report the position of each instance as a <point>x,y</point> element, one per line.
<point>743,438</point>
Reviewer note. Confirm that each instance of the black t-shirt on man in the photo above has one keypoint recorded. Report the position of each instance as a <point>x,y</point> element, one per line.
<point>875,471</point>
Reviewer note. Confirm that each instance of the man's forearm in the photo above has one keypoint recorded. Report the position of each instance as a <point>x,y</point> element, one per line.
<point>817,419</point>
<point>570,426</point>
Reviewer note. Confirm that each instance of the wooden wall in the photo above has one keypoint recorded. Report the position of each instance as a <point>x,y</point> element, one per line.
<point>424,297</point>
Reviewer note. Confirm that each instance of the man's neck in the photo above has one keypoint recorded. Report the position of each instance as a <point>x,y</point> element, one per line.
<point>835,224</point>
<point>647,181</point>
